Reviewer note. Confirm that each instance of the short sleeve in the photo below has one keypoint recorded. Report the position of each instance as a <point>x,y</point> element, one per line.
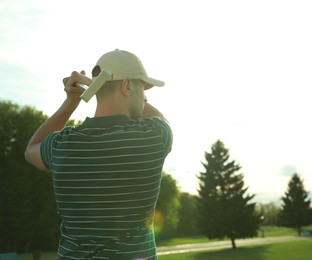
<point>46,149</point>
<point>165,131</point>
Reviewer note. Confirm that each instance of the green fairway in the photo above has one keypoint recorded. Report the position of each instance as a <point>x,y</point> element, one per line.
<point>294,250</point>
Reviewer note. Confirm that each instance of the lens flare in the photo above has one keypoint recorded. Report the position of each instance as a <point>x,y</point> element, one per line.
<point>158,222</point>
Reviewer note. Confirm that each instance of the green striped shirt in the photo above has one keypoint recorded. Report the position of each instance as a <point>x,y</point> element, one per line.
<point>106,176</point>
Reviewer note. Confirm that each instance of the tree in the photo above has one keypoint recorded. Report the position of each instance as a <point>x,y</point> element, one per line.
<point>28,218</point>
<point>187,225</point>
<point>223,207</point>
<point>167,208</point>
<point>295,205</point>
<point>270,212</point>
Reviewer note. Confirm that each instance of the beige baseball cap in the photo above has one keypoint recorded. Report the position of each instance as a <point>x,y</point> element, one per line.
<point>125,65</point>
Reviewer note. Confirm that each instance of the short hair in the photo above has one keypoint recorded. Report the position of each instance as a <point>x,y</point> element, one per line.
<point>109,87</point>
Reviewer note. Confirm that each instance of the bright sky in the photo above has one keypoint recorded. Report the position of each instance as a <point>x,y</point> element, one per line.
<point>238,71</point>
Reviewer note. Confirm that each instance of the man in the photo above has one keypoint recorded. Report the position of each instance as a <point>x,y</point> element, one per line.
<point>107,171</point>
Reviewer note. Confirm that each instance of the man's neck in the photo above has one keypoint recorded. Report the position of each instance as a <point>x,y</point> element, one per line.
<point>110,109</point>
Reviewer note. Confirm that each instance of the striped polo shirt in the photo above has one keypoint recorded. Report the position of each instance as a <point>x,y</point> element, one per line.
<point>106,176</point>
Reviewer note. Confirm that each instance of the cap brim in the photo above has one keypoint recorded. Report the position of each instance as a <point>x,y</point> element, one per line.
<point>153,82</point>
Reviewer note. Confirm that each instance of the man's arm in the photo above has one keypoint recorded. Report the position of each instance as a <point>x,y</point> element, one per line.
<point>58,120</point>
<point>150,111</point>
<point>166,132</point>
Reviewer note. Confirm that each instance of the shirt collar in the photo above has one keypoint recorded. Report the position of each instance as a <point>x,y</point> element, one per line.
<point>106,121</point>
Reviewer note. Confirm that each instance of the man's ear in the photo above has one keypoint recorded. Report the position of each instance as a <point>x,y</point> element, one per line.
<point>126,87</point>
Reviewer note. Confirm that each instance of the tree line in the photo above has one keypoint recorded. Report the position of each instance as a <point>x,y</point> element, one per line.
<point>222,209</point>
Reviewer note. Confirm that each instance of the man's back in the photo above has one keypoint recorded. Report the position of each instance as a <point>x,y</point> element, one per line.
<point>106,176</point>
<point>106,172</point>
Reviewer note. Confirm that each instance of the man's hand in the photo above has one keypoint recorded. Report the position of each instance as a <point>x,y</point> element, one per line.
<point>73,86</point>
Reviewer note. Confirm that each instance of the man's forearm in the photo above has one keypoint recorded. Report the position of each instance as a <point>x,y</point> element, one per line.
<point>56,122</point>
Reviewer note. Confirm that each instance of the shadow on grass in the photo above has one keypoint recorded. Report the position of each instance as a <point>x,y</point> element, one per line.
<point>254,253</point>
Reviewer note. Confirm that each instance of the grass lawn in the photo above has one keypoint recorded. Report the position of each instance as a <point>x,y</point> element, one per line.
<point>268,232</point>
<point>294,250</point>
<point>277,231</point>
<point>44,256</point>
<point>183,241</point>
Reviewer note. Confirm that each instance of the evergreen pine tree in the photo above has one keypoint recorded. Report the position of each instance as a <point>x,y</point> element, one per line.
<point>295,205</point>
<point>224,208</point>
